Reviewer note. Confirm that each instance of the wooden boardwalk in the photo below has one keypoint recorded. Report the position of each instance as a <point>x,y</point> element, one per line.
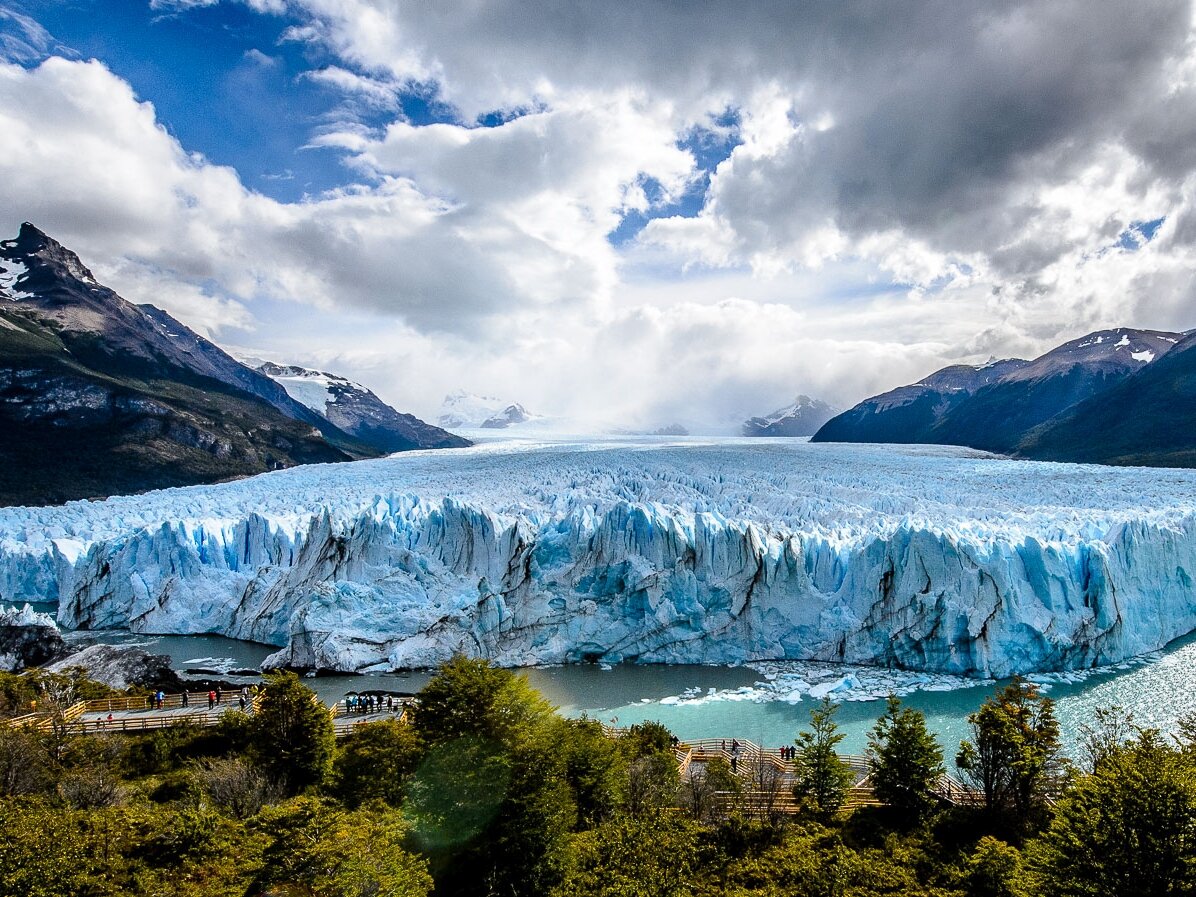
<point>767,778</point>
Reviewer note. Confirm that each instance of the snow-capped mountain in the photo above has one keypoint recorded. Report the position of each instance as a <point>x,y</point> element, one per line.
<point>920,558</point>
<point>467,410</point>
<point>507,417</point>
<point>802,418</point>
<point>100,396</point>
<point>1147,418</point>
<point>998,405</point>
<point>462,410</point>
<point>356,410</point>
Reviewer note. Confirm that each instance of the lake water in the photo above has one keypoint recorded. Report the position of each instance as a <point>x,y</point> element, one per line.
<point>768,703</point>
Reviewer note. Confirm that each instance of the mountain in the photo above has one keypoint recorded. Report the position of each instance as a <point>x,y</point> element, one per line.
<point>467,410</point>
<point>1148,418</point>
<point>802,418</point>
<point>100,396</point>
<point>463,409</point>
<point>357,411</point>
<point>999,415</point>
<point>1018,407</point>
<point>909,414</point>
<point>512,414</point>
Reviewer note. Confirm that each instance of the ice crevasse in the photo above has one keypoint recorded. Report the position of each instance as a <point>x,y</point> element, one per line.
<point>918,559</point>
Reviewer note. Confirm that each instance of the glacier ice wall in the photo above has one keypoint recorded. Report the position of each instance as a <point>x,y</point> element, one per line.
<point>921,559</point>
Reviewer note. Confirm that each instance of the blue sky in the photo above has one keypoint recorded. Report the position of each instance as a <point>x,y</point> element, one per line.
<point>226,84</point>
<point>642,210</point>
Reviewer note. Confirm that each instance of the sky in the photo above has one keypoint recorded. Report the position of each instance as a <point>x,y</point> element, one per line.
<point>622,213</point>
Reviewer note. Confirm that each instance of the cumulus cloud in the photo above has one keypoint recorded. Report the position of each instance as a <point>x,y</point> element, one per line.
<point>908,186</point>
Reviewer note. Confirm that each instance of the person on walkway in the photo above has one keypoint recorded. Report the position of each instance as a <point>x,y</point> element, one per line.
<point>186,698</point>
<point>241,702</point>
<point>211,699</point>
<point>219,695</point>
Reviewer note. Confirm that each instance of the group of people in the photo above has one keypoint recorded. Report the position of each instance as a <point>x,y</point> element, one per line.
<point>788,753</point>
<point>369,703</point>
<point>215,698</point>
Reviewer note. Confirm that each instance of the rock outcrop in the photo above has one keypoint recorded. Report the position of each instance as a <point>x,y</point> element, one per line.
<point>28,639</point>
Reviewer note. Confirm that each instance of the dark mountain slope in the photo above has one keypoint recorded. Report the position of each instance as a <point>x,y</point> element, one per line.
<point>909,414</point>
<point>99,396</point>
<point>1148,418</point>
<point>998,416</point>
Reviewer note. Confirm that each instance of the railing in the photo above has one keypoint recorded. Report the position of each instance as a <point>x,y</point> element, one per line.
<point>129,703</point>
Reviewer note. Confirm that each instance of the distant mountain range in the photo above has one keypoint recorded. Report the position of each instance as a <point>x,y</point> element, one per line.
<point>1120,396</point>
<point>99,396</point>
<point>802,418</point>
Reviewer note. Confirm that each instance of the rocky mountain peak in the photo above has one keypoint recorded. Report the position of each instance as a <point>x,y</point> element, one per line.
<point>35,248</point>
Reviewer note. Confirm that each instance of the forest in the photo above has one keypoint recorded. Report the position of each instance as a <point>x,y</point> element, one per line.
<point>484,789</point>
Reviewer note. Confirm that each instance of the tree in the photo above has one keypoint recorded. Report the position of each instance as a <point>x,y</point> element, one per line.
<point>374,762</point>
<point>652,776</point>
<point>905,761</point>
<point>490,804</point>
<point>818,774</point>
<point>1128,829</point>
<point>711,790</point>
<point>652,856</point>
<point>236,787</point>
<point>317,850</point>
<point>1014,756</point>
<point>596,770</point>
<point>994,869</point>
<point>291,735</point>
<point>1111,730</point>
<point>469,698</point>
<point>22,763</point>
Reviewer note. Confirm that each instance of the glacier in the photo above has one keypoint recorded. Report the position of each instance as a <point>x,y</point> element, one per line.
<point>920,558</point>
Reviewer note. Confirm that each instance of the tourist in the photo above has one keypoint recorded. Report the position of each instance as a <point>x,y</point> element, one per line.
<point>241,702</point>
<point>211,699</point>
<point>219,695</point>
<point>186,698</point>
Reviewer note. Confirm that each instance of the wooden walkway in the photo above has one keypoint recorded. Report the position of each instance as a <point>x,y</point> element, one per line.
<point>767,778</point>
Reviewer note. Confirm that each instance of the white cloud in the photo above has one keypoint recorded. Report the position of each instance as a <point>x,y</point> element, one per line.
<point>985,158</point>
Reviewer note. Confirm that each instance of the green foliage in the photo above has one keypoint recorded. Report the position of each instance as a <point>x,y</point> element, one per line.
<point>819,775</point>
<point>1128,829</point>
<point>994,869</point>
<point>1014,756</point>
<point>491,803</point>
<point>51,852</point>
<point>373,763</point>
<point>595,770</point>
<point>651,856</point>
<point>469,698</point>
<point>906,762</point>
<point>291,737</point>
<point>317,850</point>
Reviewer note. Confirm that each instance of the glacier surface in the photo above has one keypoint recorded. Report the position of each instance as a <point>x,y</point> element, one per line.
<point>921,558</point>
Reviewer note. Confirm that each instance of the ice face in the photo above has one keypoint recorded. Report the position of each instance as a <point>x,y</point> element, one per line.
<point>922,558</point>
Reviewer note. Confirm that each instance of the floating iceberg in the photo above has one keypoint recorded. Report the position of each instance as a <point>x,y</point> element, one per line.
<point>915,558</point>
